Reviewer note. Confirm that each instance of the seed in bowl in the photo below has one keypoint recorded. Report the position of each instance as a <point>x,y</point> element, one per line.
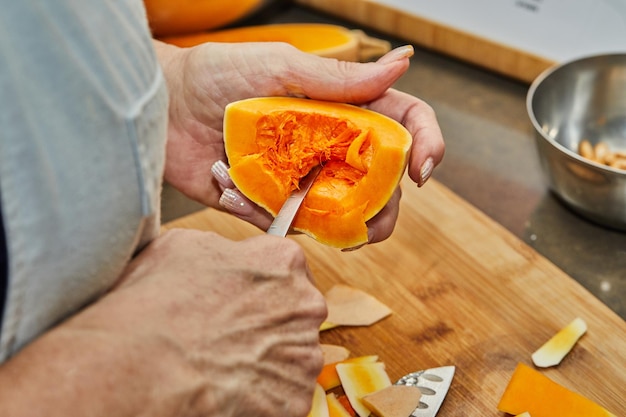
<point>602,154</point>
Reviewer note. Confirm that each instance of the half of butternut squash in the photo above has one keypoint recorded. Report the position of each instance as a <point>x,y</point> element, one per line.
<point>272,143</point>
<point>326,40</point>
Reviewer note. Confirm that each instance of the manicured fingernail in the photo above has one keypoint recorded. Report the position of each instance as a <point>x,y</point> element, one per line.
<point>426,171</point>
<point>396,54</point>
<point>220,173</point>
<point>234,202</point>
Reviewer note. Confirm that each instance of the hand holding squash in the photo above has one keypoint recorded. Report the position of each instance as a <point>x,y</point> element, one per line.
<point>204,79</point>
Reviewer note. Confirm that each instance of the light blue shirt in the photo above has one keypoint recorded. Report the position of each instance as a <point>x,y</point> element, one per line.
<point>83,113</point>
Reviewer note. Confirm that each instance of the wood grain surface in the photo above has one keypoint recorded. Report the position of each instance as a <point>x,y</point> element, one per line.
<point>486,53</point>
<point>464,292</point>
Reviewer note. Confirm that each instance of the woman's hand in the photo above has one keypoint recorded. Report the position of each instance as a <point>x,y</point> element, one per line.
<point>204,79</point>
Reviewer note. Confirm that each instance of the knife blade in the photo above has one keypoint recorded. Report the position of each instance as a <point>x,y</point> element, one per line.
<point>282,222</point>
<point>433,384</point>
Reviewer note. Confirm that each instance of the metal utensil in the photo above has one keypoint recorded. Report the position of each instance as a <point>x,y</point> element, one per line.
<point>573,101</point>
<point>433,384</point>
<point>282,222</point>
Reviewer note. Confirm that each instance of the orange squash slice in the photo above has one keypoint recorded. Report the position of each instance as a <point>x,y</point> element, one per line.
<point>273,142</point>
<point>530,391</point>
<point>554,350</point>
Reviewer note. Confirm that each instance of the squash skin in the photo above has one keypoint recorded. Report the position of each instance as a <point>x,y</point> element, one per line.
<point>176,17</point>
<point>345,195</point>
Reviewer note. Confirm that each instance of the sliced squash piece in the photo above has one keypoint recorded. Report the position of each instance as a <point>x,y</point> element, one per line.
<point>554,350</point>
<point>349,306</point>
<point>319,406</point>
<point>327,326</point>
<point>393,401</point>
<point>531,391</point>
<point>328,377</point>
<point>336,407</point>
<point>360,379</point>
<point>273,142</point>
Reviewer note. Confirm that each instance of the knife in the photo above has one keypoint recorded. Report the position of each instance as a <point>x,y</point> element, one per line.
<point>433,384</point>
<point>282,222</point>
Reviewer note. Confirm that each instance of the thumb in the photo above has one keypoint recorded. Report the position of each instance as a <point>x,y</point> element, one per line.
<point>343,81</point>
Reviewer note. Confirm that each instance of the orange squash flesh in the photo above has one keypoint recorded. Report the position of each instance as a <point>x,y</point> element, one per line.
<point>310,37</point>
<point>272,143</point>
<point>530,391</point>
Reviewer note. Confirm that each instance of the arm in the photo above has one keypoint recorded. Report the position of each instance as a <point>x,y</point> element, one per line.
<point>204,79</point>
<point>195,321</point>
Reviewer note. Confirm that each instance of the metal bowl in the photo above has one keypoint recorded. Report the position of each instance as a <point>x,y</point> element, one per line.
<point>578,100</point>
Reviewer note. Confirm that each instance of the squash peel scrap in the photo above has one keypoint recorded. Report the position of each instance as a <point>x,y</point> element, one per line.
<point>360,379</point>
<point>393,401</point>
<point>360,387</point>
<point>348,306</point>
<point>335,407</point>
<point>334,353</point>
<point>328,377</point>
<point>532,392</point>
<point>555,349</point>
<point>319,406</point>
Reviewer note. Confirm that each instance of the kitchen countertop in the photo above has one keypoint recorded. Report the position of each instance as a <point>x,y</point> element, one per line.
<point>491,162</point>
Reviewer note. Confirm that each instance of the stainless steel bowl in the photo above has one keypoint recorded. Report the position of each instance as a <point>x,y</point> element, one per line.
<point>583,99</point>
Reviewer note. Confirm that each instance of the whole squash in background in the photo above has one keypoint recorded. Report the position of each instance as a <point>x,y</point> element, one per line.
<point>273,142</point>
<point>175,17</point>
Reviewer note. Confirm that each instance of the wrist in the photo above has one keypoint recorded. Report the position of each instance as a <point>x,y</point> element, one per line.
<point>85,371</point>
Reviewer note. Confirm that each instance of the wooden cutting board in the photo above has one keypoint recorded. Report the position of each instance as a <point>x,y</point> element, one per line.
<point>465,292</point>
<point>467,46</point>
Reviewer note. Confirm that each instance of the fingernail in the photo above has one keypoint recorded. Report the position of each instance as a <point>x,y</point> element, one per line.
<point>396,54</point>
<point>426,171</point>
<point>220,172</point>
<point>234,202</point>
